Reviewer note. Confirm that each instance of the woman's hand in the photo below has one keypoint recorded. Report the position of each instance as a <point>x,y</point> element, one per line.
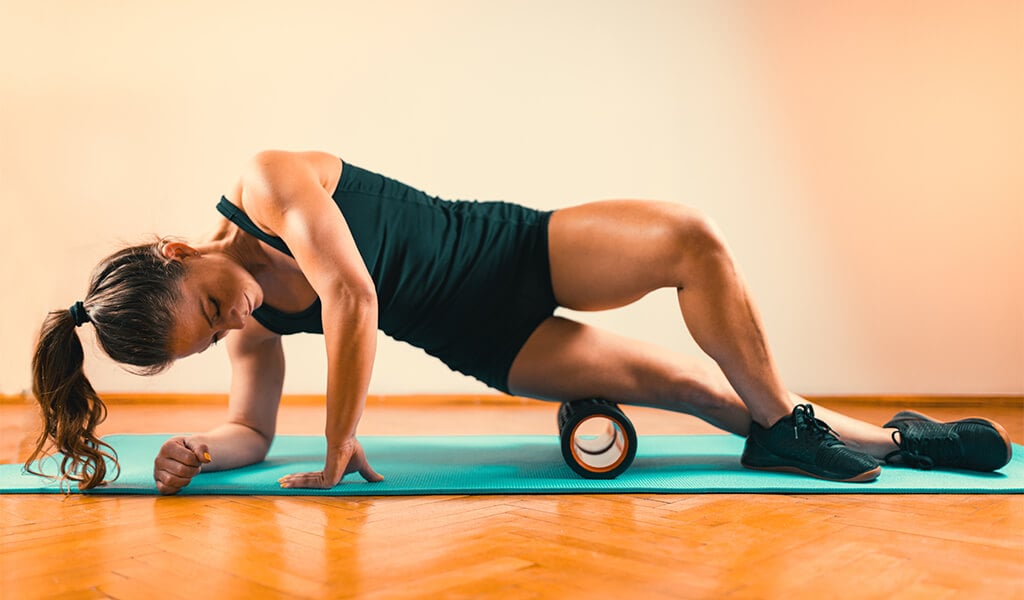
<point>341,460</point>
<point>180,459</point>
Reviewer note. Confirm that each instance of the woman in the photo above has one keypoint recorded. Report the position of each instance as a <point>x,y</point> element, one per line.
<point>310,243</point>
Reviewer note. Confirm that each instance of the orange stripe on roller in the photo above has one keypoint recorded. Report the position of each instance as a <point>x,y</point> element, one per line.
<point>619,434</point>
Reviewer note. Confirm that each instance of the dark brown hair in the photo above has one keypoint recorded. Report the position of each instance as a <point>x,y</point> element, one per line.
<point>130,303</point>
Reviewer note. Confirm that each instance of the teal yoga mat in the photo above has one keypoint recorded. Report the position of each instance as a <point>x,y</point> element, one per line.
<point>520,464</point>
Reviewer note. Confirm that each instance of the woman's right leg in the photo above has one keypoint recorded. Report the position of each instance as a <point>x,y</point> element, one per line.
<point>609,254</point>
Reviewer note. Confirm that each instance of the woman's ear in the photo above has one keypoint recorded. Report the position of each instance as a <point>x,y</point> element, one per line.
<point>178,251</point>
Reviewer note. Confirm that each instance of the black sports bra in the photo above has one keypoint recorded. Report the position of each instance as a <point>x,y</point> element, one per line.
<point>280,322</point>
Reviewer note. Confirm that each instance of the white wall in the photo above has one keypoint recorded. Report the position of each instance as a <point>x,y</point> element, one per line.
<point>864,159</point>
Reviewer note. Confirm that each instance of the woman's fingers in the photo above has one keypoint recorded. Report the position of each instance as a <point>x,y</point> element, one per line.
<point>166,483</point>
<point>360,464</point>
<point>180,459</point>
<point>369,474</point>
<point>313,480</point>
<point>198,449</point>
<point>185,451</point>
<point>350,459</point>
<point>176,450</point>
<point>317,480</point>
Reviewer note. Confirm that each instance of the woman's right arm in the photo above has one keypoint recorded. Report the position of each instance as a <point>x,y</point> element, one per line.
<point>257,378</point>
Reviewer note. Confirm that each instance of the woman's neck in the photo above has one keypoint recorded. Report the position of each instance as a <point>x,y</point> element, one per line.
<point>231,241</point>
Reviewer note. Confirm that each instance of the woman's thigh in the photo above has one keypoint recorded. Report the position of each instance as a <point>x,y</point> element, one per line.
<point>566,360</point>
<point>608,254</point>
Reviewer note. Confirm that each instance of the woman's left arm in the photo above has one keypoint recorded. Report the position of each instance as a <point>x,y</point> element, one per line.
<point>286,193</point>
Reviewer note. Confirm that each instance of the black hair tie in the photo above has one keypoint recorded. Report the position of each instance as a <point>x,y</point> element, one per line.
<point>78,314</point>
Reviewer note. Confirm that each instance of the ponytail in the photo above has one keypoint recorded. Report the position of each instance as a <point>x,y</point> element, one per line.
<point>71,409</point>
<point>131,301</point>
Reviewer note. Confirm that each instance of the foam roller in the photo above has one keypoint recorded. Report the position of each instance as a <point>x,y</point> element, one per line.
<point>598,440</point>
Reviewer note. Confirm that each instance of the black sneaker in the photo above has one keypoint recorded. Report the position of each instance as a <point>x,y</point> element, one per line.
<point>976,444</point>
<point>802,444</point>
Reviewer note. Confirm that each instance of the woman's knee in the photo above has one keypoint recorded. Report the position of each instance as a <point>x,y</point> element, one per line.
<point>697,241</point>
<point>696,232</point>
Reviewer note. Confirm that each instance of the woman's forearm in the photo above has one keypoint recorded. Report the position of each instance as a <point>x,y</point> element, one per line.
<point>233,445</point>
<point>350,331</point>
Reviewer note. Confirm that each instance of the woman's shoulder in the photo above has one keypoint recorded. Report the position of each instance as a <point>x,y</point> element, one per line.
<point>271,179</point>
<point>277,169</point>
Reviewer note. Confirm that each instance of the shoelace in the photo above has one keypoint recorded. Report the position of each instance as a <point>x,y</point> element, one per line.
<point>926,445</point>
<point>803,418</point>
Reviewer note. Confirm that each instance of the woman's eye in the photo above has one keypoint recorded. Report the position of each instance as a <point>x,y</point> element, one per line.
<point>216,308</point>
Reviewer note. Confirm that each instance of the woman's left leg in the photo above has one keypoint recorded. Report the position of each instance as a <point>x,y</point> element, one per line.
<point>565,360</point>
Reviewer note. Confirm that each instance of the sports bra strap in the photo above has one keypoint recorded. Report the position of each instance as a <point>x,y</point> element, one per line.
<point>236,216</point>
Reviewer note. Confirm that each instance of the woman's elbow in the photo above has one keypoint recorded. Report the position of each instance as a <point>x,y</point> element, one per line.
<point>356,296</point>
<point>261,454</point>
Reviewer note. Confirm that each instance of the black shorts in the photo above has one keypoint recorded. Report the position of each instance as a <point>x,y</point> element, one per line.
<point>486,335</point>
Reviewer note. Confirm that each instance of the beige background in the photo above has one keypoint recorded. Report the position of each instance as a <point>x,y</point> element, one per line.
<point>863,158</point>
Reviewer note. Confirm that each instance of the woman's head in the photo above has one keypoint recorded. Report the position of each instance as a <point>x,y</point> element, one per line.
<point>215,295</point>
<point>144,303</point>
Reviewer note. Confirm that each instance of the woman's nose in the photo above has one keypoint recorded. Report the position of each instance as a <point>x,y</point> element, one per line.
<point>234,319</point>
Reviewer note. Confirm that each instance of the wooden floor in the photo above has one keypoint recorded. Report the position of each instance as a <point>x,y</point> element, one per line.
<point>600,546</point>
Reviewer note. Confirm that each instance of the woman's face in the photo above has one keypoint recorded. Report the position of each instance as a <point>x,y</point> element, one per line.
<point>217,295</point>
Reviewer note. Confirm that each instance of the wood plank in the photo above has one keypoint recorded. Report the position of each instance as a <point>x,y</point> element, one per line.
<point>477,575</point>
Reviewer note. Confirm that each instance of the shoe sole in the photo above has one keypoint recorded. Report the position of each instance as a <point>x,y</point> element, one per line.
<point>910,415</point>
<point>864,477</point>
<point>769,461</point>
